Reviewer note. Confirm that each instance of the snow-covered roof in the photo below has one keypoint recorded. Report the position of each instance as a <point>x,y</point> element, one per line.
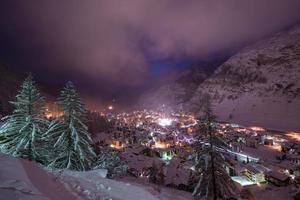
<point>277,175</point>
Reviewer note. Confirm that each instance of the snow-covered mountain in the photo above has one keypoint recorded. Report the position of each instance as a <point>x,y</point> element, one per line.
<point>179,90</point>
<point>260,85</point>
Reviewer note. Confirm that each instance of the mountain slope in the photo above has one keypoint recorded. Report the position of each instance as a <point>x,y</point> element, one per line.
<point>258,86</point>
<point>180,90</point>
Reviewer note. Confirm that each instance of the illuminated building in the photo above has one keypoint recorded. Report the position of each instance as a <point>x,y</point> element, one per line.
<point>53,111</point>
<point>253,174</point>
<point>116,144</point>
<point>164,121</point>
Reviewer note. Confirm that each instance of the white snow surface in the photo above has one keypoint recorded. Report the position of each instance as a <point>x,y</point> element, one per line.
<point>92,185</point>
<point>21,179</point>
<point>26,180</point>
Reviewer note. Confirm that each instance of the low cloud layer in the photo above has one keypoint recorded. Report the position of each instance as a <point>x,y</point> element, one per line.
<point>114,41</point>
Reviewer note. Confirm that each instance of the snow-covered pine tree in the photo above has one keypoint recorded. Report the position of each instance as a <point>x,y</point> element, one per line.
<point>156,174</point>
<point>111,160</point>
<point>22,130</point>
<point>214,182</point>
<point>69,134</point>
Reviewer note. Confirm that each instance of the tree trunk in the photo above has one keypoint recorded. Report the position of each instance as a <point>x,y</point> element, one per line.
<point>212,163</point>
<point>30,113</point>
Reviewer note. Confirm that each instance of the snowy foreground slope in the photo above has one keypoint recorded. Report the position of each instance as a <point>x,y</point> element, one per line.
<point>24,180</point>
<point>260,85</point>
<point>21,179</point>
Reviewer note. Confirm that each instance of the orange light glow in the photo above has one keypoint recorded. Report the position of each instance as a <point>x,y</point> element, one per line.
<point>275,147</point>
<point>53,115</point>
<point>116,144</point>
<point>53,111</point>
<point>189,130</point>
<point>294,136</point>
<point>256,128</point>
<point>223,126</point>
<point>161,145</point>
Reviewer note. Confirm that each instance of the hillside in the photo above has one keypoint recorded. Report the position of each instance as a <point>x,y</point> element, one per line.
<point>178,91</point>
<point>260,85</point>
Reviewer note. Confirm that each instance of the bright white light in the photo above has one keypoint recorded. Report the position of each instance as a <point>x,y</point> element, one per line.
<point>164,121</point>
<point>110,107</point>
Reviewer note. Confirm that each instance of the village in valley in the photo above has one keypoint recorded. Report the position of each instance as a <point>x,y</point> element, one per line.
<point>150,100</point>
<point>162,144</point>
<point>158,149</point>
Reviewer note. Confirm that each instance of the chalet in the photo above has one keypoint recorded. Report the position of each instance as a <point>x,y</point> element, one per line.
<point>254,173</point>
<point>268,142</point>
<point>296,181</point>
<point>287,146</point>
<point>285,165</point>
<point>177,175</point>
<point>236,146</point>
<point>117,144</point>
<point>102,139</point>
<point>294,158</point>
<point>296,170</point>
<point>252,142</point>
<point>277,178</point>
<point>139,160</point>
<point>281,156</point>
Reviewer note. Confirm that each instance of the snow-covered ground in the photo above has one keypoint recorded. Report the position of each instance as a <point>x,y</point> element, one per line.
<point>270,192</point>
<point>24,180</point>
<point>264,152</point>
<point>91,185</point>
<point>21,179</point>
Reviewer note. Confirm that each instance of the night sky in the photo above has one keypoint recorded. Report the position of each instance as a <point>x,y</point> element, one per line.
<point>117,49</point>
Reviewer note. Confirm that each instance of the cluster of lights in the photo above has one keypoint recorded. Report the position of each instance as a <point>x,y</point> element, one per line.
<point>166,156</point>
<point>186,139</point>
<point>116,144</point>
<point>294,136</point>
<point>53,113</point>
<point>161,145</point>
<point>256,128</point>
<point>275,147</point>
<point>165,122</point>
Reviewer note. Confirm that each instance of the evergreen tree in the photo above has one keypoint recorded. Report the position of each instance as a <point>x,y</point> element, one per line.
<point>156,174</point>
<point>111,160</point>
<point>214,182</point>
<point>22,130</point>
<point>69,134</point>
